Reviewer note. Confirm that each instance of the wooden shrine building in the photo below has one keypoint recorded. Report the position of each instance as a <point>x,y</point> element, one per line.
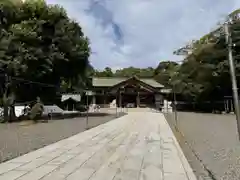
<point>141,92</point>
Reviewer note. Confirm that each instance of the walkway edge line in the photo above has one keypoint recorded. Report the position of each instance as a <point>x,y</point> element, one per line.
<point>185,163</point>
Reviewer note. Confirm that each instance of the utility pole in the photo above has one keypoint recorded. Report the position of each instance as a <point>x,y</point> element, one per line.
<point>233,76</point>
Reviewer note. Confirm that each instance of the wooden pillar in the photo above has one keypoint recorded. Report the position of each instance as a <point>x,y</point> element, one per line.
<point>104,99</point>
<point>158,100</point>
<point>94,100</point>
<point>138,99</point>
<point>120,99</point>
<point>117,98</point>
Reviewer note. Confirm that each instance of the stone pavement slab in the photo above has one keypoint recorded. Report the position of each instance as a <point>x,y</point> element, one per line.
<point>138,146</point>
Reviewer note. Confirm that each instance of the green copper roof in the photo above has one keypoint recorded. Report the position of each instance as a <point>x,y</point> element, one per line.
<point>106,82</point>
<point>111,81</point>
<point>152,83</point>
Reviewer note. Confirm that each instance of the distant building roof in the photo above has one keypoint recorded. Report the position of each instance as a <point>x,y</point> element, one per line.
<point>112,81</point>
<point>106,82</point>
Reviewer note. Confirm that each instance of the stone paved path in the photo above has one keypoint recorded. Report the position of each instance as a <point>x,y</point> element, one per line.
<point>138,146</point>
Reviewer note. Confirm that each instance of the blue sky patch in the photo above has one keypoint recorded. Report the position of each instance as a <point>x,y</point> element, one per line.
<point>142,33</point>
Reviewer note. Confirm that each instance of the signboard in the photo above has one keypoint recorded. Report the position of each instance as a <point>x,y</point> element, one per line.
<point>89,93</point>
<point>166,90</point>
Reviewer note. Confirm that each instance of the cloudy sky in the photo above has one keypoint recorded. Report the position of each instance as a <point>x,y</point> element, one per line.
<point>141,33</point>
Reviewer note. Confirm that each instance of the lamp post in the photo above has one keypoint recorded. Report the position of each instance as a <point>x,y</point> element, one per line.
<point>87,94</point>
<point>175,107</point>
<point>175,104</point>
<point>116,106</point>
<point>87,113</point>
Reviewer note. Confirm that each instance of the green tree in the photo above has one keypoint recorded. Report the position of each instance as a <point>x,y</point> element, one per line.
<point>107,72</point>
<point>41,44</point>
<point>204,75</point>
<point>165,71</point>
<point>132,71</point>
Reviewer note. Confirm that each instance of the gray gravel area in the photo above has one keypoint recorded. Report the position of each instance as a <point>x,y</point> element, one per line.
<point>210,143</point>
<point>17,139</point>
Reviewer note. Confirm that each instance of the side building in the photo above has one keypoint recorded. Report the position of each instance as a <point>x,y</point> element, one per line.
<point>139,92</point>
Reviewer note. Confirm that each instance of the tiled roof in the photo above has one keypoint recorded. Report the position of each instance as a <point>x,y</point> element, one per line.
<point>106,82</point>
<point>111,81</point>
<point>152,83</point>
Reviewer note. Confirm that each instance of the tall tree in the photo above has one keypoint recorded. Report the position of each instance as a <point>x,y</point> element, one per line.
<point>204,75</point>
<point>41,44</point>
<point>165,71</point>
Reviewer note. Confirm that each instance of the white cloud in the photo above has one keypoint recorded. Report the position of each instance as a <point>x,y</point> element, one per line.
<point>151,30</point>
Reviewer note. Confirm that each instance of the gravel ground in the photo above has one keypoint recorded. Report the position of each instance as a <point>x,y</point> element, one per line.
<point>17,139</point>
<point>210,143</point>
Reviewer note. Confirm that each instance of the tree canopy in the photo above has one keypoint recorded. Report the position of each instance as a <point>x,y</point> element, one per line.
<point>41,50</point>
<point>204,74</point>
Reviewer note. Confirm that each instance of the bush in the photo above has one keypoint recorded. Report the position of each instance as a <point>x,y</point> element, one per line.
<point>81,108</point>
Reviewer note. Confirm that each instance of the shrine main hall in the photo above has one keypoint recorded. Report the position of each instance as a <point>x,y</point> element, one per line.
<point>139,92</point>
